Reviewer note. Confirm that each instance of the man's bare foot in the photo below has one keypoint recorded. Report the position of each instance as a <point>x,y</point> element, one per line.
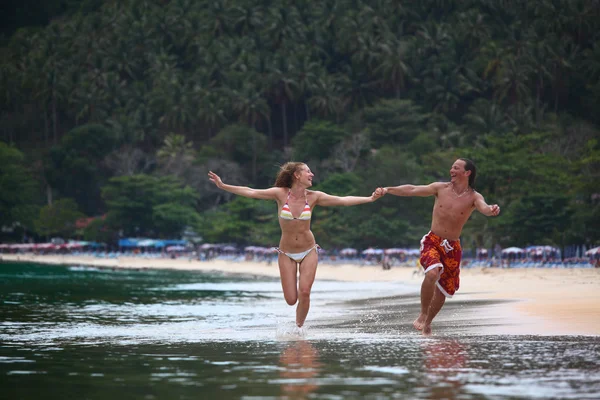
<point>420,322</point>
<point>427,330</point>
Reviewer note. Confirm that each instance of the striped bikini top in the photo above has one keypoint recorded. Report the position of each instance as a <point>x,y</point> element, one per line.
<point>286,213</point>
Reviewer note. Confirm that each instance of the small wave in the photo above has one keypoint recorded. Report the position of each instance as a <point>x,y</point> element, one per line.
<point>290,331</point>
<point>84,268</point>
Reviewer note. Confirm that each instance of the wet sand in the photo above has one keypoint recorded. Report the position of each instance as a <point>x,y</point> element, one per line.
<point>535,301</point>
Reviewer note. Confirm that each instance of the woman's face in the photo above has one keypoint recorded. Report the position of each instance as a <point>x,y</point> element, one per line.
<point>304,176</point>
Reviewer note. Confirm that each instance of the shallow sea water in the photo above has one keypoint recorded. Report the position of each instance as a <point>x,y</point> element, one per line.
<point>95,333</point>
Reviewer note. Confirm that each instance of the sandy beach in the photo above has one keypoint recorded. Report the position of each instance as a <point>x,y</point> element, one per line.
<point>544,301</point>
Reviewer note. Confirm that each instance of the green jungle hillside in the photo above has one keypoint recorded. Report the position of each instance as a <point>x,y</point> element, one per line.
<point>112,112</point>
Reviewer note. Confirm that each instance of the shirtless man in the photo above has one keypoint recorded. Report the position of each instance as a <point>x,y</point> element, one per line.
<point>440,248</point>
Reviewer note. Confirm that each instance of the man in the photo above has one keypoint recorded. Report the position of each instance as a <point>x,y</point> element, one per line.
<point>440,248</point>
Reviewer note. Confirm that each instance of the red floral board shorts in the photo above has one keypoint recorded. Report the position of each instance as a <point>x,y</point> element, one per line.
<point>437,252</point>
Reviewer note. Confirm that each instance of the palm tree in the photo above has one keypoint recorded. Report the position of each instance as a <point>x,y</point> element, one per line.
<point>10,94</point>
<point>251,107</point>
<point>282,87</point>
<point>176,155</point>
<point>443,90</point>
<point>349,30</point>
<point>283,23</point>
<point>218,17</point>
<point>434,38</point>
<point>305,71</point>
<point>580,20</point>
<point>591,62</point>
<point>563,55</point>
<point>247,18</point>
<point>325,96</point>
<point>393,68</point>
<point>512,80</point>
<point>50,85</point>
<point>211,109</point>
<point>171,94</point>
<point>357,88</point>
<point>485,116</point>
<point>474,28</point>
<point>537,57</point>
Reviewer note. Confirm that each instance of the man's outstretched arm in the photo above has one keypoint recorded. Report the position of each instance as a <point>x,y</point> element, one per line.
<point>484,208</point>
<point>414,190</point>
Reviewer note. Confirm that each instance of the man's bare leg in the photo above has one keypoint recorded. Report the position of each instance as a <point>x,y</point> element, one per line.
<point>436,305</point>
<point>427,291</point>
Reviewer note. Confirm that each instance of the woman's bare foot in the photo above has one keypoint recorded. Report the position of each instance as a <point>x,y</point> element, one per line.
<point>420,322</point>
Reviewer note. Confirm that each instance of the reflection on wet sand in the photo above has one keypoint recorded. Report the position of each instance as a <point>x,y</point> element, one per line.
<point>444,359</point>
<point>300,364</point>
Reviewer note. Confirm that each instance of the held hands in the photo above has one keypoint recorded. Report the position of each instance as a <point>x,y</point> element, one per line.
<point>379,192</point>
<point>214,178</point>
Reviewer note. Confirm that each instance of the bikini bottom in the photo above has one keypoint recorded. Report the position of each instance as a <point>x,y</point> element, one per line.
<point>298,257</point>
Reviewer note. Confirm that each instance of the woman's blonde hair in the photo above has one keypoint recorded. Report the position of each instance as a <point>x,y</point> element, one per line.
<point>285,177</point>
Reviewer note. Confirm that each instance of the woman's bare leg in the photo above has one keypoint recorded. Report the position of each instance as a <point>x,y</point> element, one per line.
<point>308,271</point>
<point>288,270</point>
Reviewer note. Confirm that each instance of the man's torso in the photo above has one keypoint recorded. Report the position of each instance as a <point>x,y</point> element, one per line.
<point>451,212</point>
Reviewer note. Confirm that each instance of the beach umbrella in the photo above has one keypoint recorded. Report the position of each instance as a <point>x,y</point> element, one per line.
<point>394,251</point>
<point>129,242</point>
<point>542,250</point>
<point>348,251</point>
<point>44,246</point>
<point>265,250</point>
<point>513,250</point>
<point>413,252</point>
<point>594,251</point>
<point>371,251</point>
<point>175,248</point>
<point>72,245</point>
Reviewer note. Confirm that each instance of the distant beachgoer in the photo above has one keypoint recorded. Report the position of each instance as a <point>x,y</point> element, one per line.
<point>440,249</point>
<point>297,246</point>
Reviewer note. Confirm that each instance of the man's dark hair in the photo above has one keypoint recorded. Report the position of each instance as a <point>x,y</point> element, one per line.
<point>470,166</point>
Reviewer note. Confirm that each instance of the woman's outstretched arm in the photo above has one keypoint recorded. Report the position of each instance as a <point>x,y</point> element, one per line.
<point>262,194</point>
<point>326,200</point>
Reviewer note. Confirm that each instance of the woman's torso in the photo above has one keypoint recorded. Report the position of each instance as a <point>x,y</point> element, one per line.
<point>296,235</point>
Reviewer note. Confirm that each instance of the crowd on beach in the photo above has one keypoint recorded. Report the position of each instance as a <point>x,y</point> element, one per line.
<point>530,257</point>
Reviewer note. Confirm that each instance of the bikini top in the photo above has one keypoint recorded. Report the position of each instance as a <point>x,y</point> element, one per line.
<point>286,213</point>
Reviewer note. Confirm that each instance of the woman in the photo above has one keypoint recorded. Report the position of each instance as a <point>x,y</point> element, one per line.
<point>297,247</point>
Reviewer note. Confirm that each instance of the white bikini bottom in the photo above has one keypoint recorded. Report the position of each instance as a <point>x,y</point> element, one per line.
<point>298,257</point>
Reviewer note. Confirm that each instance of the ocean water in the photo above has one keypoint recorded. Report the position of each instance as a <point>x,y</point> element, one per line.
<point>91,333</point>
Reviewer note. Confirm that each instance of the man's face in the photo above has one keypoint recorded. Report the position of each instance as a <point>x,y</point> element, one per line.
<point>458,172</point>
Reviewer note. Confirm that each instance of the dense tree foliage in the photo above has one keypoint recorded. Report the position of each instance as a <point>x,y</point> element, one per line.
<point>123,106</point>
<point>18,200</point>
<point>58,218</point>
